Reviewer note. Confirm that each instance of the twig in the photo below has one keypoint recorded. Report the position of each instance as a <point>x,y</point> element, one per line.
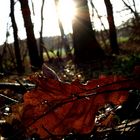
<point>11,99</point>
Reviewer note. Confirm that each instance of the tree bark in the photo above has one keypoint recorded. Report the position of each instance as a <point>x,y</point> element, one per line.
<point>86,47</point>
<point>31,41</point>
<point>112,28</point>
<point>20,68</point>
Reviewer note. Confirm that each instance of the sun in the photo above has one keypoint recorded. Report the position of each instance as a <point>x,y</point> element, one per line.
<point>66,12</point>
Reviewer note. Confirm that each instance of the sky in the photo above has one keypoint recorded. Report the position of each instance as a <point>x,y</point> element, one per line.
<point>66,13</point>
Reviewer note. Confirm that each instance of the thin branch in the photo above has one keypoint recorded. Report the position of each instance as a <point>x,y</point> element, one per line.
<point>41,32</point>
<point>93,6</point>
<point>102,24</point>
<point>133,11</point>
<point>33,7</point>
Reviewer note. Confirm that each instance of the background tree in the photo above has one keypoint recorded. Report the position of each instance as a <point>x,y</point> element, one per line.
<point>86,47</point>
<point>104,31</point>
<point>20,68</point>
<point>133,11</point>
<point>41,31</point>
<point>63,36</point>
<point>134,23</point>
<point>31,41</point>
<point>112,28</point>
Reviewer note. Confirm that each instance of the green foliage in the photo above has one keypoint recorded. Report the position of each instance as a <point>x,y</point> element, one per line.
<point>123,39</point>
<point>125,64</point>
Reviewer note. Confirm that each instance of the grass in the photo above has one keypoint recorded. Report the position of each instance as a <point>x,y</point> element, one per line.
<point>122,40</point>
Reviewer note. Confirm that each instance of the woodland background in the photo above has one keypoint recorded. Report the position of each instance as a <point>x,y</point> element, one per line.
<point>85,54</point>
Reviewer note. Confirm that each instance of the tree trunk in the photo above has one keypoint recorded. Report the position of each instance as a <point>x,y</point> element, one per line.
<point>112,28</point>
<point>20,68</point>
<point>31,41</point>
<point>86,47</point>
<point>63,36</point>
<point>41,43</point>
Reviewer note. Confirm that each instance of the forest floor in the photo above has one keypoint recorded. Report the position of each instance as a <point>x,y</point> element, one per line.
<point>126,64</point>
